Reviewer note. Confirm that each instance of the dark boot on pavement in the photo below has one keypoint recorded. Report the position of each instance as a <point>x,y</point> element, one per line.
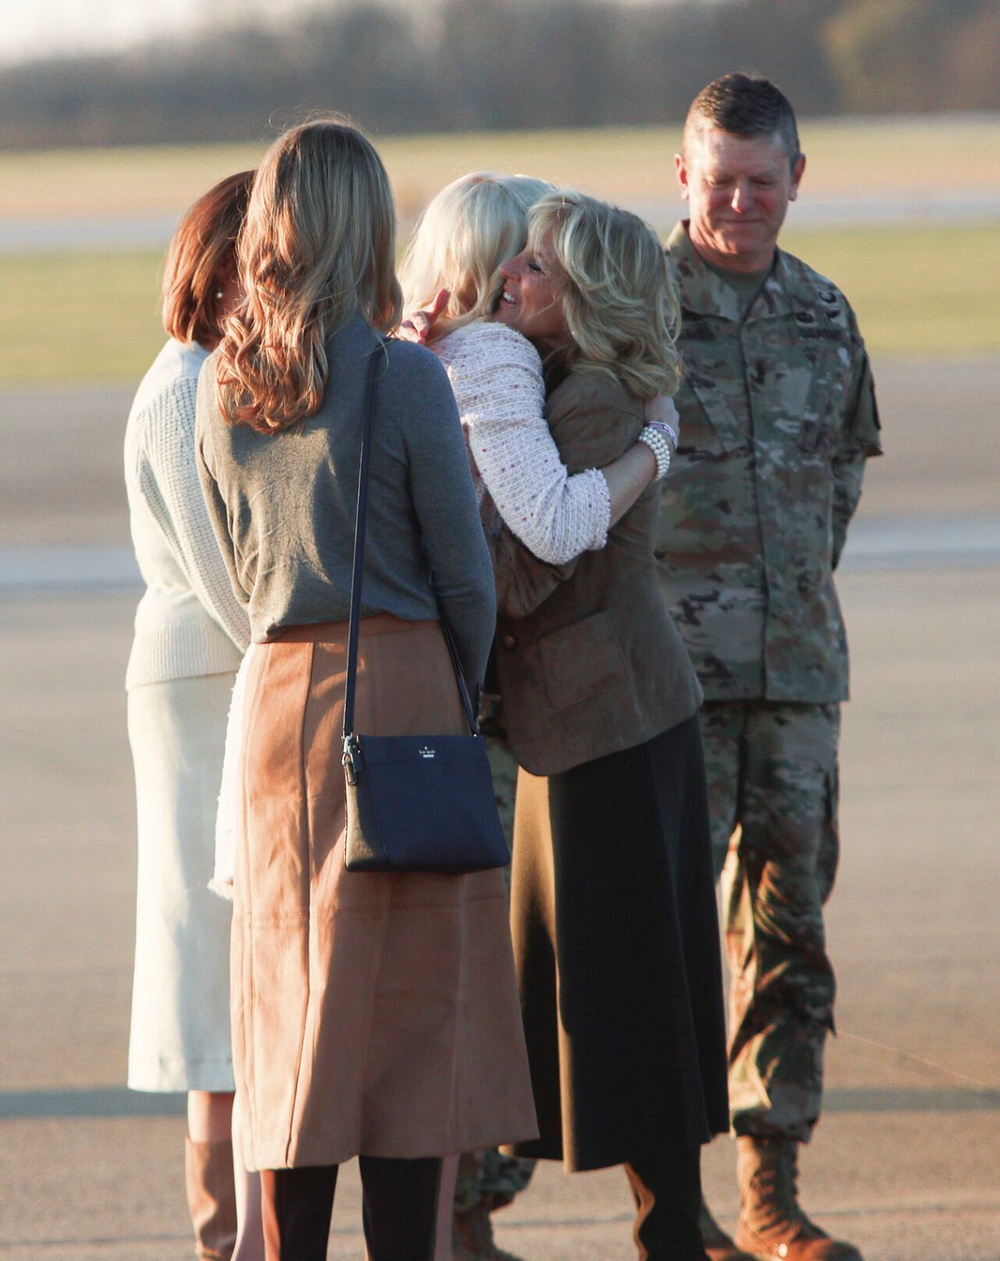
<point>718,1245</point>
<point>772,1225</point>
<point>211,1197</point>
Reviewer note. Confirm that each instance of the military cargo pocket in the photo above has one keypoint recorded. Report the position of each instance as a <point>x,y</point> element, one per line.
<point>710,429</point>
<point>581,661</point>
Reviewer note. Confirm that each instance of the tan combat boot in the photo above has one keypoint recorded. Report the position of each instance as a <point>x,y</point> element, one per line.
<point>771,1223</point>
<point>718,1245</point>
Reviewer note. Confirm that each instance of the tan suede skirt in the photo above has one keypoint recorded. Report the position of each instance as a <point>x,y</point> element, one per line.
<point>373,1014</point>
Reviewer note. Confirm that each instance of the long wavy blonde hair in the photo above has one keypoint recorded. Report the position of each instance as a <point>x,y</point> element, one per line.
<point>318,247</point>
<point>461,239</point>
<point>618,297</point>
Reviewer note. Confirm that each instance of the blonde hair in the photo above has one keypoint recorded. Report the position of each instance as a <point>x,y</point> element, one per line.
<point>461,239</point>
<point>318,247</point>
<point>201,257</point>
<point>618,297</point>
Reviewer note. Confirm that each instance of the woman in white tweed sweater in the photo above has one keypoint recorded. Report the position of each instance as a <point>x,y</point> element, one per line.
<point>451,268</point>
<point>190,633</point>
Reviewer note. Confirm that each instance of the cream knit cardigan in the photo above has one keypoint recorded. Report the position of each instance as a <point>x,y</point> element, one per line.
<point>188,622</point>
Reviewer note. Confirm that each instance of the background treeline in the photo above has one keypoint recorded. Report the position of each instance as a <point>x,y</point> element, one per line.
<point>450,65</point>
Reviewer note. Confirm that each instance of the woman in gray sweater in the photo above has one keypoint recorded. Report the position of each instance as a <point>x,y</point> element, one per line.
<point>373,1015</point>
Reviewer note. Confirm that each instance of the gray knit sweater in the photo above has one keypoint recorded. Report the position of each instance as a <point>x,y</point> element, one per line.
<point>283,504</point>
<point>188,621</point>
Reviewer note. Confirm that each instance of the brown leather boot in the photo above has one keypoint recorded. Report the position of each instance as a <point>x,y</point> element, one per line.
<point>211,1196</point>
<point>771,1223</point>
<point>718,1245</point>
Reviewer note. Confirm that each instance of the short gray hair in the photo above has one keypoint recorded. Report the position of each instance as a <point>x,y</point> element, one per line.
<point>744,105</point>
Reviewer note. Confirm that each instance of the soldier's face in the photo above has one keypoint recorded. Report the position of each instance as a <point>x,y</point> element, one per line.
<point>738,190</point>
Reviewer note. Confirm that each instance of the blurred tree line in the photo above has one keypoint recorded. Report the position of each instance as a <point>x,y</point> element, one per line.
<point>450,65</point>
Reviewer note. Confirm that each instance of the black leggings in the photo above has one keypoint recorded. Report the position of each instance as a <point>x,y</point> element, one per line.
<point>400,1209</point>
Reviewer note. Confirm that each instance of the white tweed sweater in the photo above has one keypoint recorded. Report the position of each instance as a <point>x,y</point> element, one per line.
<point>496,375</point>
<point>188,622</point>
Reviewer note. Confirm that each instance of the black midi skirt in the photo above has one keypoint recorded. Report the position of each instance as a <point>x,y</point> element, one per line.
<point>616,943</point>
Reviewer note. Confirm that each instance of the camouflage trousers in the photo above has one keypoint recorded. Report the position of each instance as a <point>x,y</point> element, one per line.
<point>773,792</point>
<point>503,772</point>
<point>486,1176</point>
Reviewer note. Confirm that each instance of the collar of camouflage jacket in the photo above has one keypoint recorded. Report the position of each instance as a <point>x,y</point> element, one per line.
<point>704,292</point>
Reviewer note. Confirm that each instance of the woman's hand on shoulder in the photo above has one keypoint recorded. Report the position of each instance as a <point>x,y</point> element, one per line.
<point>419,325</point>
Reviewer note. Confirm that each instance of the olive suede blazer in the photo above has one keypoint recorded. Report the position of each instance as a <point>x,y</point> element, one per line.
<point>588,658</point>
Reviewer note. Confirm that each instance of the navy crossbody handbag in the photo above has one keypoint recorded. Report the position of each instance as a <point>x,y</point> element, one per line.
<point>414,803</point>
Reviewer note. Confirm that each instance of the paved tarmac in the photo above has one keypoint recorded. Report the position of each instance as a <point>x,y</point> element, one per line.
<point>906,1162</point>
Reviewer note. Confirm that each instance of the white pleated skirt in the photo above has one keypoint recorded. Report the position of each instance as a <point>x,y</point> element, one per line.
<point>180,1036</point>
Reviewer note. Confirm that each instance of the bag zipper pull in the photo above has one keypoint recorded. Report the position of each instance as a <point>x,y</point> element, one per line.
<point>350,748</point>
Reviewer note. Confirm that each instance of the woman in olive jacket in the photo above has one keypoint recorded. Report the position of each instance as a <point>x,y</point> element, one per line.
<point>613,907</point>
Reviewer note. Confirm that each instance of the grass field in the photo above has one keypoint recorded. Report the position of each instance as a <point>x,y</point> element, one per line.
<point>90,316</point>
<point>78,317</point>
<point>87,317</point>
<point>926,291</point>
<point>911,155</point>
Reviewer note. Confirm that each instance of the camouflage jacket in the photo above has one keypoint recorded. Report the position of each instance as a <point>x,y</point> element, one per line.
<point>778,417</point>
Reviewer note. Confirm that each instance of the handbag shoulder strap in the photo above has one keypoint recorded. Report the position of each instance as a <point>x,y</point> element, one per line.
<point>354,625</point>
<point>361,515</point>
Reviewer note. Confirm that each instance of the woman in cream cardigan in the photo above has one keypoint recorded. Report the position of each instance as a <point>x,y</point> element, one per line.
<point>190,632</point>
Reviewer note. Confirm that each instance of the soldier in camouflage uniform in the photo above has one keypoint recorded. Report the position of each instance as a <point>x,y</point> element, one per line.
<point>778,418</point>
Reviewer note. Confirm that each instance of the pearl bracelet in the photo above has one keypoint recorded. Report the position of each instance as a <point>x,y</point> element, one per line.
<point>660,448</point>
<point>669,430</point>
